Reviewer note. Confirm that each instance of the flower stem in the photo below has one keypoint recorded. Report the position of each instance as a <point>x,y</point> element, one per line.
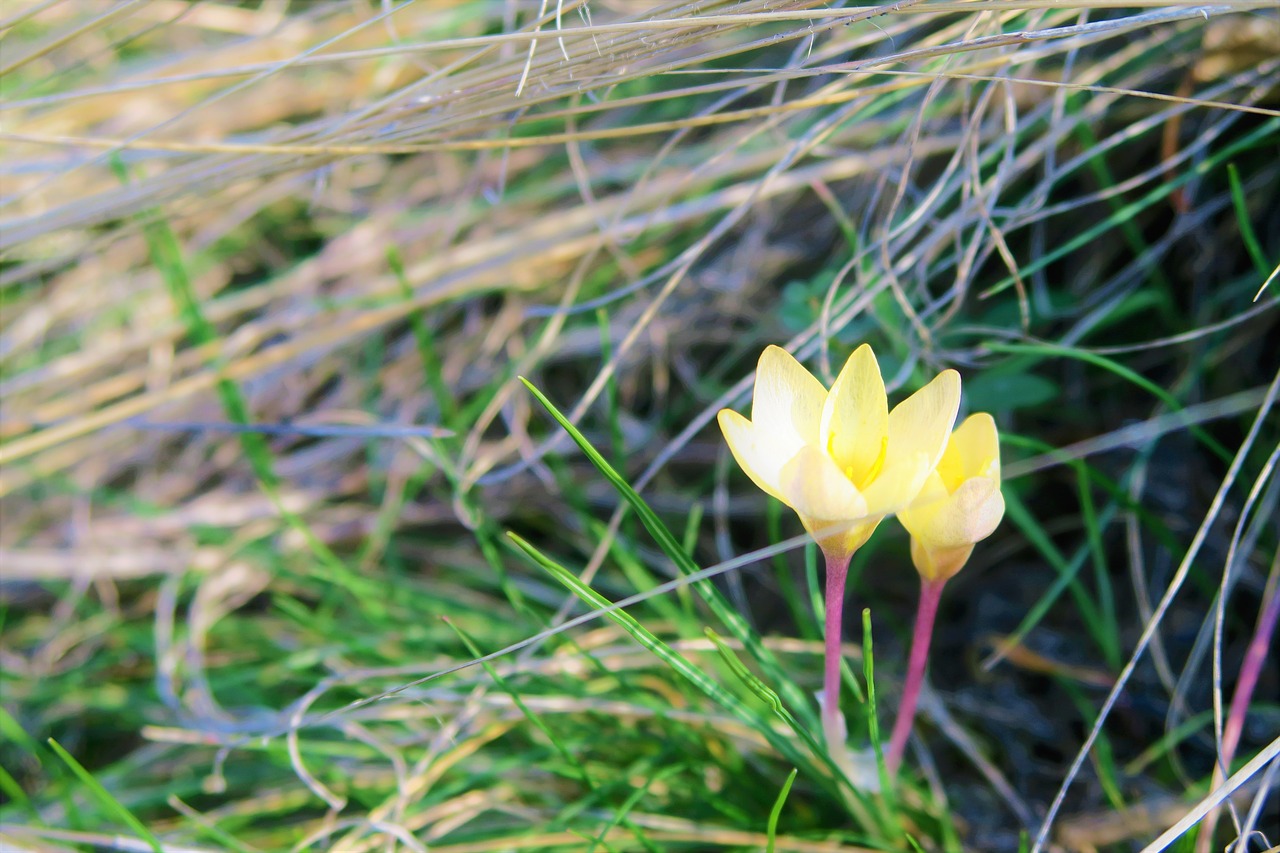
<point>1250,669</point>
<point>837,571</point>
<point>930,593</point>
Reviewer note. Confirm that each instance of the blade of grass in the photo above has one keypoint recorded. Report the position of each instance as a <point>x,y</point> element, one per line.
<point>1068,571</point>
<point>533,717</point>
<point>207,827</point>
<point>1169,740</point>
<point>761,690</point>
<point>569,758</point>
<point>11,789</point>
<point>1266,130</point>
<point>1124,373</point>
<point>1104,756</point>
<point>771,830</point>
<point>167,255</point>
<point>1109,621</point>
<point>612,405</point>
<point>16,734</point>
<point>873,722</point>
<point>432,371</point>
<point>1247,234</point>
<point>804,619</point>
<point>695,675</point>
<point>630,803</point>
<point>104,798</point>
<point>1102,171</point>
<point>673,549</point>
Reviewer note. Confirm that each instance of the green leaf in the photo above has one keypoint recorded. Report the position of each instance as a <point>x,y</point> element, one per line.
<point>993,391</point>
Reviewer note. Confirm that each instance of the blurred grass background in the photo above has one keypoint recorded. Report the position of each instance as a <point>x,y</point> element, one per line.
<point>269,272</point>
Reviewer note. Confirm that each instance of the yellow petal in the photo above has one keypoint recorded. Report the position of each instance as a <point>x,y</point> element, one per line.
<point>786,407</point>
<point>972,451</point>
<point>932,499</point>
<point>855,418</point>
<point>939,520</point>
<point>960,503</point>
<point>825,500</point>
<point>762,461</point>
<point>918,431</point>
<point>814,487</point>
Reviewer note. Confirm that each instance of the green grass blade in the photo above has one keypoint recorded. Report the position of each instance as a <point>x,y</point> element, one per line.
<point>630,803</point>
<point>11,789</point>
<point>1110,621</point>
<point>1068,572</point>
<point>104,798</point>
<point>873,721</point>
<point>428,354</point>
<point>529,714</point>
<point>675,551</point>
<point>1124,373</point>
<point>207,827</point>
<point>776,812</point>
<point>1247,234</point>
<point>1170,739</point>
<point>693,674</point>
<point>761,690</point>
<point>14,733</point>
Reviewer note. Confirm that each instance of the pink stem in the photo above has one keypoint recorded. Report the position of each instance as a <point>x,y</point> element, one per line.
<point>1246,681</point>
<point>1250,669</point>
<point>930,594</point>
<point>837,571</point>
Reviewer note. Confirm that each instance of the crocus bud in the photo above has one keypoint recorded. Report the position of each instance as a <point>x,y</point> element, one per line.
<point>960,503</point>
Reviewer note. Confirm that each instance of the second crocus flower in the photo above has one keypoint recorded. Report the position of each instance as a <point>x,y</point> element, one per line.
<point>961,504</point>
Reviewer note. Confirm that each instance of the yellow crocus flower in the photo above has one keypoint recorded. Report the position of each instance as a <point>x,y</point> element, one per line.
<point>840,459</point>
<point>960,503</point>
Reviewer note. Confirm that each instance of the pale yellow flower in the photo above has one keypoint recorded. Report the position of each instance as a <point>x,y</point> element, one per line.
<point>960,503</point>
<point>840,459</point>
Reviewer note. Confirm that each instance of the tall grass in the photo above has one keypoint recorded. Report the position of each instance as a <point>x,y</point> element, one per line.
<point>290,559</point>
